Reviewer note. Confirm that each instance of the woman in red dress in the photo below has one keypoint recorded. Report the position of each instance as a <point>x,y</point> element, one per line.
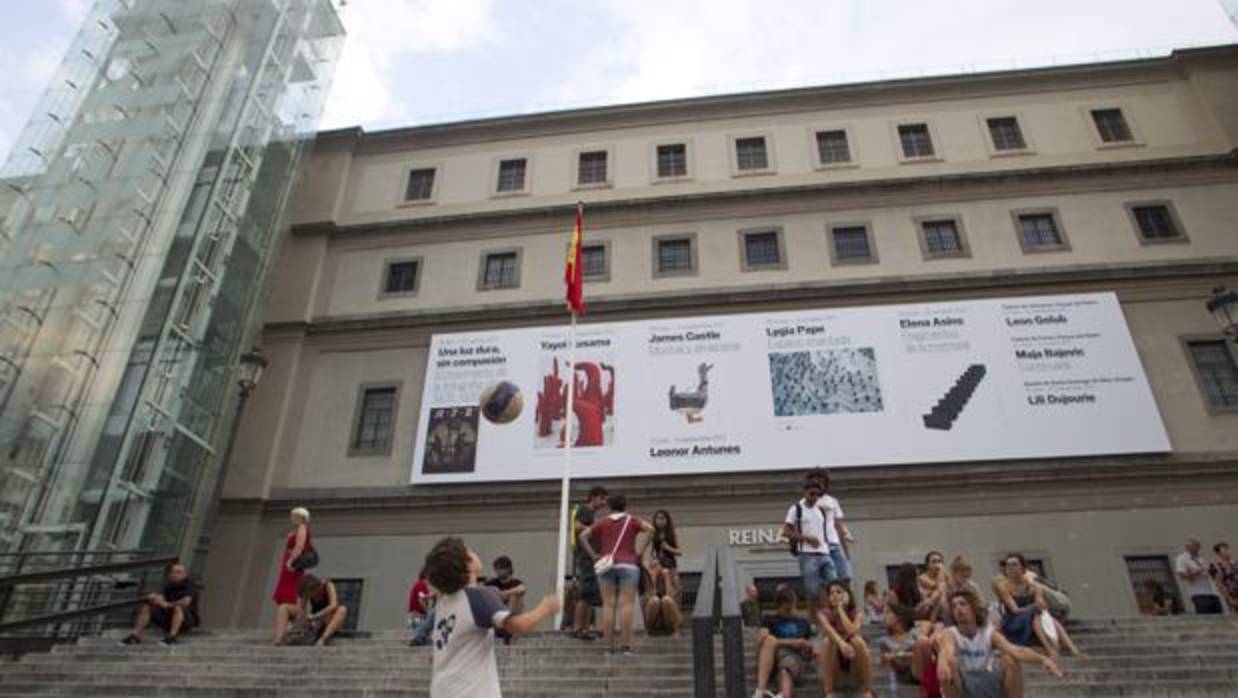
<point>286,597</point>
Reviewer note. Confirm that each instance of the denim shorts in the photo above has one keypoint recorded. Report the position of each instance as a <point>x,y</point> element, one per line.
<point>622,576</point>
<point>816,571</point>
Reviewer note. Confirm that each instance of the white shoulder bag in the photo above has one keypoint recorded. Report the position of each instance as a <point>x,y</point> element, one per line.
<point>603,564</point>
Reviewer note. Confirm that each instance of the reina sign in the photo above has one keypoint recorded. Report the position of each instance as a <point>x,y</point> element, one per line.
<point>754,536</point>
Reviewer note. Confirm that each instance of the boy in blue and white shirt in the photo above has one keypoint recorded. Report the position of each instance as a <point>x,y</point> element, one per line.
<point>466,617</point>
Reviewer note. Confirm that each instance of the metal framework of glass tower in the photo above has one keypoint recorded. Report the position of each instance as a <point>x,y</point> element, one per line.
<point>139,211</point>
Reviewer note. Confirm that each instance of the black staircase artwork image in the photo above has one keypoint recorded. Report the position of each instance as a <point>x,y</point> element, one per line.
<point>948,408</point>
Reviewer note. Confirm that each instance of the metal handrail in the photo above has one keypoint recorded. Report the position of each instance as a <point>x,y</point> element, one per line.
<point>74,572</point>
<point>717,604</point>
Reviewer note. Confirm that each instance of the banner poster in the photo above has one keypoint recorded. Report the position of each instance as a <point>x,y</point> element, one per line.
<point>1033,377</point>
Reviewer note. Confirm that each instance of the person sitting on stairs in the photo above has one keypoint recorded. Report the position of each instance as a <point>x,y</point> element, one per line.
<point>783,647</point>
<point>174,608</point>
<point>968,665</point>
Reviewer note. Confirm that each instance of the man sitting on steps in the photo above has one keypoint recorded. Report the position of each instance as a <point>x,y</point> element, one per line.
<point>968,665</point>
<point>174,608</point>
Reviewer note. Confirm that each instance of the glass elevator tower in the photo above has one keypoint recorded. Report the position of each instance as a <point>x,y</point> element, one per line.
<point>139,210</point>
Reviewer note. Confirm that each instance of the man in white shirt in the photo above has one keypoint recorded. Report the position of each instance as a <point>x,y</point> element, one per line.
<point>1193,571</point>
<point>805,527</point>
<point>836,532</point>
<point>465,619</point>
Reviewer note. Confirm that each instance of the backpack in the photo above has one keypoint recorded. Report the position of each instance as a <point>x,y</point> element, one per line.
<point>799,528</point>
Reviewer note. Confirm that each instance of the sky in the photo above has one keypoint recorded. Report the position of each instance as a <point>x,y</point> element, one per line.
<point>412,62</point>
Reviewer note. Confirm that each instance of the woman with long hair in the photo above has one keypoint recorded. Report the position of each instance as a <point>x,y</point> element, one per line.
<point>666,551</point>
<point>846,652</point>
<point>1026,613</point>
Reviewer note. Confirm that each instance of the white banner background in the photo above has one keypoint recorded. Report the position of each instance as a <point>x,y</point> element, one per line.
<point>837,388</point>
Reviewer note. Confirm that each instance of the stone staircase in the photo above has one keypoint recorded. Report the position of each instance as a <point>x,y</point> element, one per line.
<point>1185,657</point>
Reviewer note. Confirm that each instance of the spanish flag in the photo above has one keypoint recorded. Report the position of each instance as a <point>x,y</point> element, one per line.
<point>572,276</point>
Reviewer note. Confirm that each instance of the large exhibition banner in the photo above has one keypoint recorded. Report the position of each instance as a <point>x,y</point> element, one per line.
<point>1034,377</point>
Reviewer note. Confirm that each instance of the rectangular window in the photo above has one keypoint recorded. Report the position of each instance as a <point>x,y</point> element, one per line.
<point>592,167</point>
<point>1155,222</point>
<point>917,143</point>
<point>511,175</point>
<point>401,277</point>
<point>420,185</point>
<point>673,160</point>
<point>851,242</point>
<point>375,420</point>
<point>1151,577</point>
<point>750,154</point>
<point>349,593</point>
<point>593,261</point>
<point>1112,126</point>
<point>761,249</point>
<point>1039,231</point>
<point>1218,376</point>
<point>941,238</point>
<point>674,255</point>
<point>832,147</point>
<point>501,270</point>
<point>1005,133</point>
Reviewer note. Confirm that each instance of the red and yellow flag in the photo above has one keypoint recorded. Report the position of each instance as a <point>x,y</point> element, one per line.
<point>573,277</point>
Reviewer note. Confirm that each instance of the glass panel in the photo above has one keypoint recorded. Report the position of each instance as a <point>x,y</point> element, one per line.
<point>1006,134</point>
<point>672,160</point>
<point>593,261</point>
<point>420,185</point>
<point>761,249</point>
<point>917,143</point>
<point>401,277</point>
<point>592,168</point>
<point>674,255</point>
<point>750,154</point>
<point>851,243</point>
<point>1217,372</point>
<point>832,147</point>
<point>1039,230</point>
<point>511,175</point>
<point>1111,125</point>
<point>942,238</point>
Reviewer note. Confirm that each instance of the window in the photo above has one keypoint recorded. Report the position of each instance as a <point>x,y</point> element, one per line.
<point>1006,135</point>
<point>941,238</point>
<point>916,141</point>
<point>375,422</point>
<point>1146,573</point>
<point>401,277</point>
<point>762,249</point>
<point>1216,372</point>
<point>1039,231</point>
<point>1035,565</point>
<point>673,255</point>
<point>349,593</point>
<point>1156,223</point>
<point>1112,126</point>
<point>673,160</point>
<point>832,147</point>
<point>420,185</point>
<point>592,167</point>
<point>511,175</point>
<point>593,262</point>
<point>500,270</point>
<point>750,154</point>
<point>850,244</point>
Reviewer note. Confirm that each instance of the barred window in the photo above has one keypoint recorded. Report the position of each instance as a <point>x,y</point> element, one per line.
<point>1155,222</point>
<point>673,160</point>
<point>420,185</point>
<point>375,420</point>
<point>1216,370</point>
<point>761,249</point>
<point>674,254</point>
<point>851,242</point>
<point>1112,126</point>
<point>917,143</point>
<point>1039,231</point>
<point>750,154</point>
<point>593,261</point>
<point>941,238</point>
<point>511,175</point>
<point>1006,134</point>
<point>500,270</point>
<point>832,147</point>
<point>592,167</point>
<point>401,277</point>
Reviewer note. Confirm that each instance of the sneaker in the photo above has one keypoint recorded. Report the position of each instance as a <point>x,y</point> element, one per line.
<point>169,641</point>
<point>131,640</point>
<point>626,651</point>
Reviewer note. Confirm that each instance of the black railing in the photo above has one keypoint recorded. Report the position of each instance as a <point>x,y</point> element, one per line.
<point>717,608</point>
<point>71,601</point>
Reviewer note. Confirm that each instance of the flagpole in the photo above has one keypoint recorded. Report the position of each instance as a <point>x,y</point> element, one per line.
<point>561,566</point>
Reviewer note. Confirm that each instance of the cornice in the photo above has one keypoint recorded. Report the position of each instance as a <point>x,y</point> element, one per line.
<point>1215,470</point>
<point>736,299</point>
<point>790,199</point>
